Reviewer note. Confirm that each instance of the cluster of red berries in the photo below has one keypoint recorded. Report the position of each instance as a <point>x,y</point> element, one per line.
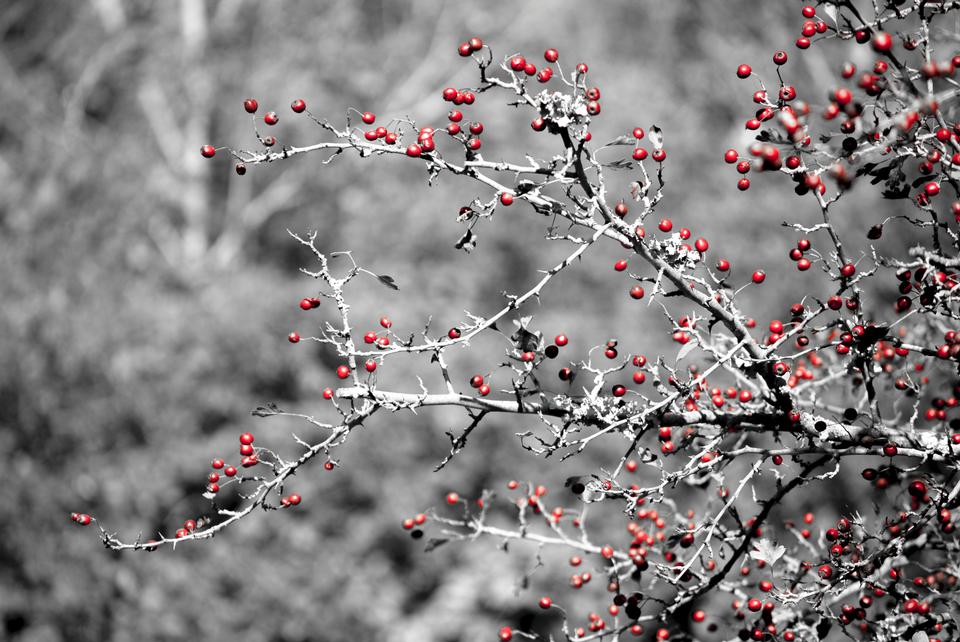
<point>248,459</point>
<point>188,527</point>
<point>413,525</point>
<point>81,518</point>
<point>250,105</point>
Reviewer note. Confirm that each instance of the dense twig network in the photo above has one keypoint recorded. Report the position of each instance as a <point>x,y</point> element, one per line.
<point>844,379</point>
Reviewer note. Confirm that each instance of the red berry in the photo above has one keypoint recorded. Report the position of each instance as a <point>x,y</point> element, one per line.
<point>636,292</point>
<point>759,276</point>
<point>250,104</point>
<point>551,55</point>
<point>506,199</point>
<point>882,42</point>
<point>293,337</point>
<point>271,118</point>
<point>298,106</point>
<point>413,151</point>
<point>246,439</point>
<point>208,151</point>
<point>368,118</point>
<point>744,71</point>
<point>343,371</point>
<point>780,57</point>
<point>545,602</point>
<point>306,304</point>
<point>370,365</point>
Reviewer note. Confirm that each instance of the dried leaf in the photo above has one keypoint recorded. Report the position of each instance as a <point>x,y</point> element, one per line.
<point>655,135</point>
<point>767,551</point>
<point>685,350</point>
<point>388,281</point>
<point>435,543</point>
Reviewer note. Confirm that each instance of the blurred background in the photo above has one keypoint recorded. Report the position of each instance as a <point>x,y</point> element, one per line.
<point>147,292</point>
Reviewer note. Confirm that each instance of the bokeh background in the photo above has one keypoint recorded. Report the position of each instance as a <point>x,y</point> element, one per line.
<point>146,293</point>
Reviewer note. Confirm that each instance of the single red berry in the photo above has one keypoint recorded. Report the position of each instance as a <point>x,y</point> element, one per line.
<point>665,225</point>
<point>413,151</point>
<point>246,438</point>
<point>370,365</point>
<point>208,151</point>
<point>730,156</point>
<point>453,498</point>
<point>271,118</point>
<point>780,57</point>
<point>298,106</point>
<point>328,393</point>
<point>882,42</point>
<point>506,199</point>
<point>293,337</point>
<point>561,340</point>
<point>744,71</point>
<point>545,602</point>
<point>636,292</point>
<point>551,55</point>
<point>368,117</point>
<point>759,276</point>
<point>250,104</point>
<point>306,304</point>
<point>343,371</point>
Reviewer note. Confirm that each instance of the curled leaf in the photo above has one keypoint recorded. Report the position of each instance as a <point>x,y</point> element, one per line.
<point>655,136</point>
<point>388,281</point>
